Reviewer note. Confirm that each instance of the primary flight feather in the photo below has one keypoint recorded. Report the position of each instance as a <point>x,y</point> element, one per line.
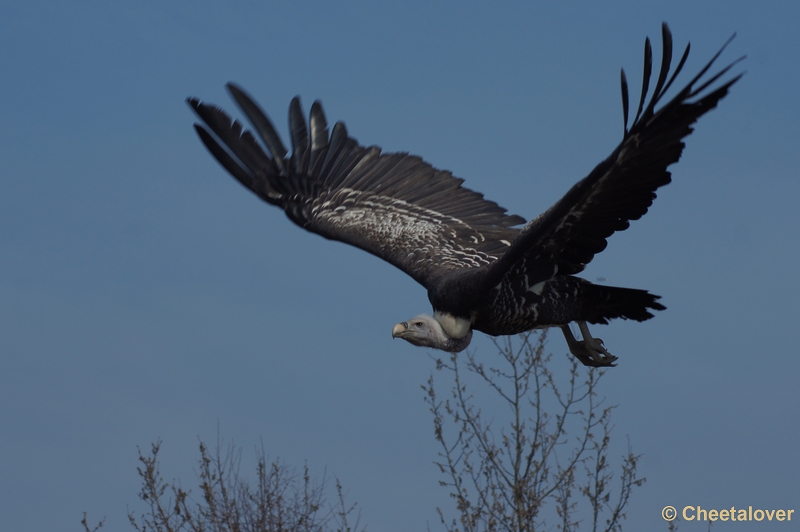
<point>481,270</point>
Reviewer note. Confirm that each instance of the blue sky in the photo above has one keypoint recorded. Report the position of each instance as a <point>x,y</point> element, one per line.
<point>145,295</point>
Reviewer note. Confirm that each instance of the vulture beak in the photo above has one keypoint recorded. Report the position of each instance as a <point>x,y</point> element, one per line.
<point>399,330</point>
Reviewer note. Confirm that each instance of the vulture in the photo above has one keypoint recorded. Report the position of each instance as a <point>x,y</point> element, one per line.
<point>484,269</point>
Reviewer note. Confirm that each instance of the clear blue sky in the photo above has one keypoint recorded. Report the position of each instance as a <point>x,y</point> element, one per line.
<point>145,295</point>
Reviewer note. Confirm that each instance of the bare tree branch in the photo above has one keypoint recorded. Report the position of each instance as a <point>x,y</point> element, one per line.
<point>552,445</point>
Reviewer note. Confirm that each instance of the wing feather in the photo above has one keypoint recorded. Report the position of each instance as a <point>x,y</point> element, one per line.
<point>262,124</point>
<point>648,68</point>
<point>299,133</point>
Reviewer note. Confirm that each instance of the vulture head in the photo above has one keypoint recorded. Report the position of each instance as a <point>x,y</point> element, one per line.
<point>427,331</point>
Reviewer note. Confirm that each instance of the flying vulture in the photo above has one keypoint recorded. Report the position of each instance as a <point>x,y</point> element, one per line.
<point>483,272</point>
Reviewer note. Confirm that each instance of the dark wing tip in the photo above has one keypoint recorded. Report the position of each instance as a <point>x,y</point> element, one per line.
<point>665,81</point>
<point>647,70</point>
<point>236,89</point>
<point>625,103</point>
<point>262,124</point>
<point>299,134</point>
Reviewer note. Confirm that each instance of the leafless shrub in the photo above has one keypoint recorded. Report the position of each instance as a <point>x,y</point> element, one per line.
<point>278,501</point>
<point>552,446</point>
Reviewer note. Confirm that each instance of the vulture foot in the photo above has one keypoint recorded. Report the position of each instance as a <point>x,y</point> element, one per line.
<point>589,351</point>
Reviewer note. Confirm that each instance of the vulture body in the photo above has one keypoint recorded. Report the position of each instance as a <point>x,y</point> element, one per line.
<point>481,270</point>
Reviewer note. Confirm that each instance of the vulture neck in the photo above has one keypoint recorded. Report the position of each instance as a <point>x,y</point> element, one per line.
<point>454,334</point>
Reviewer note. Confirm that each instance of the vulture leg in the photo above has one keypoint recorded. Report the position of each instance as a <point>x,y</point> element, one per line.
<point>589,351</point>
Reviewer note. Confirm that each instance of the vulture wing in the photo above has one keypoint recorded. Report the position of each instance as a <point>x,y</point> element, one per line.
<point>393,205</point>
<point>569,234</point>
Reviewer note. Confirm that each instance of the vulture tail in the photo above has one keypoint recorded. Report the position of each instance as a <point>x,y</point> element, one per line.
<point>603,303</point>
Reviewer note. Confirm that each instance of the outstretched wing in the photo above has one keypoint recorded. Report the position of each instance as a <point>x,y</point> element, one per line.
<point>568,235</point>
<point>395,205</point>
